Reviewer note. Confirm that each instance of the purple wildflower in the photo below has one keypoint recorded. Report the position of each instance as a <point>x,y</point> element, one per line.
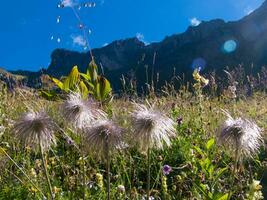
<point>70,141</point>
<point>179,121</point>
<point>166,169</point>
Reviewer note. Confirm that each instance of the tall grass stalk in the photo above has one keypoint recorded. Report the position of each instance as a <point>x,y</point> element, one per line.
<point>46,171</point>
<point>148,174</point>
<point>123,164</point>
<point>233,173</point>
<point>84,178</point>
<point>23,172</point>
<point>108,171</point>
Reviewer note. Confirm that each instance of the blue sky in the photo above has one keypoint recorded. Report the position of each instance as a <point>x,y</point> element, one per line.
<point>30,30</point>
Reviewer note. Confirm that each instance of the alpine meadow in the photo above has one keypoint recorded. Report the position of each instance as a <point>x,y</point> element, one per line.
<point>139,118</point>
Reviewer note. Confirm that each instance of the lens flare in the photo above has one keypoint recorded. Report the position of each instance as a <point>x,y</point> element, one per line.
<point>199,63</point>
<point>229,46</point>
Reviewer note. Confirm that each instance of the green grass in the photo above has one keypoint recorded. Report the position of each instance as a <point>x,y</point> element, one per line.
<point>201,168</point>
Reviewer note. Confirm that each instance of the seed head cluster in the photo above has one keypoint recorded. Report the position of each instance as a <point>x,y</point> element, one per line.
<point>103,136</point>
<point>80,112</point>
<point>241,136</point>
<point>151,128</point>
<point>35,128</point>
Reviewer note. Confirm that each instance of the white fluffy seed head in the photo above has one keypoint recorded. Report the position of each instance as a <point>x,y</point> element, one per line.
<point>34,129</point>
<point>151,128</point>
<point>242,136</point>
<point>102,137</point>
<point>79,112</point>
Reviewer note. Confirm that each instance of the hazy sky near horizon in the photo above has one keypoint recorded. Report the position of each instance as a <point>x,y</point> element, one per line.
<point>30,30</point>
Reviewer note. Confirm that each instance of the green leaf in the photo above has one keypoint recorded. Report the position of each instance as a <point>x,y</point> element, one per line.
<point>83,89</point>
<point>97,94</point>
<point>74,77</point>
<point>58,83</point>
<point>220,173</point>
<point>221,196</point>
<point>203,190</point>
<point>92,71</point>
<point>198,150</point>
<point>87,77</point>
<point>211,170</point>
<point>89,85</point>
<point>104,87</point>
<point>210,143</point>
<point>66,84</point>
<point>49,95</point>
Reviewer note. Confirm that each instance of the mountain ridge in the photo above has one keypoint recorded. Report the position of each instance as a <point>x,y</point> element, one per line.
<point>201,45</point>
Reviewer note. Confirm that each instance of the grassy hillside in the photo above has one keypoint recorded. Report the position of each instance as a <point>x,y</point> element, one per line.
<point>11,80</point>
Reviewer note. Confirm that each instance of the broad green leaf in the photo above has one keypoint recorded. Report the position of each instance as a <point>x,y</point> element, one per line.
<point>221,171</point>
<point>210,143</point>
<point>86,76</point>
<point>207,162</point>
<point>104,87</point>
<point>74,77</point>
<point>199,150</point>
<point>49,95</point>
<point>210,195</point>
<point>66,84</point>
<point>58,83</point>
<point>219,174</point>
<point>97,91</point>
<point>85,83</point>
<point>221,196</point>
<point>92,71</point>
<point>83,89</point>
<point>211,170</point>
<point>202,189</point>
<point>89,85</point>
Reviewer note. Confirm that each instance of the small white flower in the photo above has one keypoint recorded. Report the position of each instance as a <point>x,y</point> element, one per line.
<point>2,130</point>
<point>151,128</point>
<point>150,198</point>
<point>121,189</point>
<point>255,192</point>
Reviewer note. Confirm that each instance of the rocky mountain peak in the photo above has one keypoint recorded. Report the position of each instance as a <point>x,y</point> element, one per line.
<point>205,42</point>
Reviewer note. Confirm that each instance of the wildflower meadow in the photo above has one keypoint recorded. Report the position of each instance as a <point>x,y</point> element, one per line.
<point>89,135</point>
<point>185,145</point>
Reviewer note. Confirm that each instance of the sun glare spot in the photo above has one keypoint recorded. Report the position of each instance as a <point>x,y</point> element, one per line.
<point>199,63</point>
<point>229,46</point>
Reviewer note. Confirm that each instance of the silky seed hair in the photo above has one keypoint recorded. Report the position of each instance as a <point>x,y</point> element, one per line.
<point>102,137</point>
<point>151,128</point>
<point>34,129</point>
<point>241,136</point>
<point>81,112</point>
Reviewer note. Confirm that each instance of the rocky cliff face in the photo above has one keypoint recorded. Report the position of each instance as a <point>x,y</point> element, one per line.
<point>10,80</point>
<point>205,46</point>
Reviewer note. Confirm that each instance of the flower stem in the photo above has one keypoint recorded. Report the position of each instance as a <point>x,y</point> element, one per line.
<point>148,174</point>
<point>108,172</point>
<point>46,171</point>
<point>83,167</point>
<point>233,173</point>
<point>84,181</point>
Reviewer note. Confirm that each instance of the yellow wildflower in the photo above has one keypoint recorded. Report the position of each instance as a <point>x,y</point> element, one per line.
<point>33,189</point>
<point>33,173</point>
<point>204,81</point>
<point>99,180</point>
<point>56,190</point>
<point>196,75</point>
